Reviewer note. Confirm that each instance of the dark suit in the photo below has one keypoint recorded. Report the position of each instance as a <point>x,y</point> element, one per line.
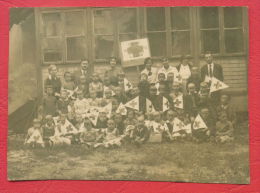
<point>77,74</point>
<point>54,82</point>
<point>217,72</point>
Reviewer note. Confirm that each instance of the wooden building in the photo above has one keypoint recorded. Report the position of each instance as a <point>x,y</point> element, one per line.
<point>64,36</point>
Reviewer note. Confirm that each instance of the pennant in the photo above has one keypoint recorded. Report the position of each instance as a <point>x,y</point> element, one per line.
<point>178,102</point>
<point>107,88</point>
<point>217,85</point>
<point>166,104</point>
<point>121,109</point>
<point>187,128</point>
<point>207,79</point>
<point>199,123</point>
<point>149,106</point>
<point>108,109</point>
<point>133,104</point>
<point>178,125</point>
<point>177,78</point>
<point>92,114</point>
<point>127,85</point>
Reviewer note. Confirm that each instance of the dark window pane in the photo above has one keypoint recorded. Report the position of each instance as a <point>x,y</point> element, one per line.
<point>52,49</point>
<point>180,18</point>
<point>155,19</point>
<point>51,24</point>
<point>209,17</point>
<point>104,47</point>
<point>74,23</point>
<point>76,48</point>
<point>127,20</point>
<point>180,43</point>
<point>157,43</point>
<point>233,17</point>
<point>234,41</point>
<point>210,41</point>
<point>126,37</point>
<point>103,21</point>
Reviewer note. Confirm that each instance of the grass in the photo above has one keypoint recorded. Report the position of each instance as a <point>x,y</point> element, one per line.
<point>179,162</point>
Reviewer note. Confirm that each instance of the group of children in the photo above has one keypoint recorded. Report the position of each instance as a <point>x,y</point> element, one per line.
<point>99,112</point>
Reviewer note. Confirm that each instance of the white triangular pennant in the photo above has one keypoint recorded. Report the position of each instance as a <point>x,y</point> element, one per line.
<point>199,123</point>
<point>178,102</point>
<point>178,125</point>
<point>121,109</point>
<point>149,106</point>
<point>217,85</point>
<point>133,104</point>
<point>166,104</point>
<point>108,109</point>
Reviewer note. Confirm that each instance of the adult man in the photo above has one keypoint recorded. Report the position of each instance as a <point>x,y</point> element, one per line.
<point>211,69</point>
<point>53,80</point>
<point>166,69</point>
<point>83,71</point>
<point>150,71</point>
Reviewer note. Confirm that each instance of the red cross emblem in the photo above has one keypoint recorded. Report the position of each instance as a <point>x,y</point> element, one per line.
<point>135,49</point>
<point>167,104</point>
<point>218,85</point>
<point>180,125</point>
<point>177,102</point>
<point>121,110</point>
<point>128,85</point>
<point>178,77</point>
<point>133,103</point>
<point>196,124</point>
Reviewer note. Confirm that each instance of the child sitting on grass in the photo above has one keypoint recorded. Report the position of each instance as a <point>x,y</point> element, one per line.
<point>224,129</point>
<point>88,134</point>
<point>34,135</point>
<point>48,130</point>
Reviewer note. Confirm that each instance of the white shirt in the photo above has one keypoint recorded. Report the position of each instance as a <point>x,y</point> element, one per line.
<point>152,77</point>
<point>171,69</point>
<point>185,71</point>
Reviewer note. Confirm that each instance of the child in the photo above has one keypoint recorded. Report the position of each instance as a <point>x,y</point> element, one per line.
<point>63,102</point>
<point>88,135</point>
<point>68,83</point>
<point>110,136</point>
<point>224,129</point>
<point>158,125</point>
<point>93,100</point>
<point>130,119</point>
<point>34,135</point>
<point>96,85</point>
<point>192,100</point>
<point>167,134</point>
<point>49,102</point>
<point>119,95</point>
<point>102,120</point>
<point>83,85</point>
<point>144,86</point>
<point>48,130</point>
<point>119,123</point>
<point>80,104</point>
<point>140,134</point>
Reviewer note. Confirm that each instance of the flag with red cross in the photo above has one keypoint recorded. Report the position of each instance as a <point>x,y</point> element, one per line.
<point>108,109</point>
<point>121,109</point>
<point>199,123</point>
<point>217,85</point>
<point>178,125</point>
<point>133,104</point>
<point>178,102</point>
<point>177,78</point>
<point>149,106</point>
<point>166,104</point>
<point>127,85</point>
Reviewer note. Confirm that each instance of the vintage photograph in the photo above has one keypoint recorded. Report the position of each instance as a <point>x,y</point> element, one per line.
<point>128,93</point>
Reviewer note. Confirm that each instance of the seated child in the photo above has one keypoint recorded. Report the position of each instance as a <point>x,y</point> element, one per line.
<point>93,100</point>
<point>96,85</point>
<point>88,135</point>
<point>224,129</point>
<point>49,103</point>
<point>119,95</point>
<point>63,102</point>
<point>140,134</point>
<point>167,134</point>
<point>110,136</point>
<point>119,123</point>
<point>48,130</point>
<point>68,83</point>
<point>34,135</point>
<point>80,103</point>
<point>130,118</point>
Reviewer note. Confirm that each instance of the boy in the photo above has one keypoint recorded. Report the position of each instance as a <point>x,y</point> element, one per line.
<point>119,96</point>
<point>63,102</point>
<point>80,104</point>
<point>88,135</point>
<point>191,101</point>
<point>49,102</point>
<point>68,83</point>
<point>96,86</point>
<point>34,135</point>
<point>144,86</point>
<point>93,100</point>
<point>48,130</point>
<point>119,123</point>
<point>224,129</point>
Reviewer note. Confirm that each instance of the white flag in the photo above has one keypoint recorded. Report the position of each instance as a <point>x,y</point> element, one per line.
<point>217,85</point>
<point>121,109</point>
<point>177,78</point>
<point>166,104</point>
<point>133,104</point>
<point>207,79</point>
<point>108,109</point>
<point>178,125</point>
<point>199,123</point>
<point>127,85</point>
<point>149,106</point>
<point>187,128</point>
<point>178,102</point>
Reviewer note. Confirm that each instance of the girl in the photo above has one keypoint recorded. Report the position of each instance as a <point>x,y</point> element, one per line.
<point>34,135</point>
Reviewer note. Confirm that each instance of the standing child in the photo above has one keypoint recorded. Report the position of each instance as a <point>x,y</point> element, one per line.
<point>68,83</point>
<point>63,102</point>
<point>34,135</point>
<point>96,85</point>
<point>144,86</point>
<point>49,102</point>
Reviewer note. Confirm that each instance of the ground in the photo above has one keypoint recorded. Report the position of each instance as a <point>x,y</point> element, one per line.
<point>178,162</point>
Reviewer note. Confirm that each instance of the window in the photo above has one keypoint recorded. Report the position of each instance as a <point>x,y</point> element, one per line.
<point>209,29</point>
<point>180,30</point>
<point>104,33</point>
<point>233,30</point>
<point>75,35</point>
<point>156,30</point>
<point>51,31</point>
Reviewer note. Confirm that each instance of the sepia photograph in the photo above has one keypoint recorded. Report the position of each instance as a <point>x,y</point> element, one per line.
<point>128,93</point>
